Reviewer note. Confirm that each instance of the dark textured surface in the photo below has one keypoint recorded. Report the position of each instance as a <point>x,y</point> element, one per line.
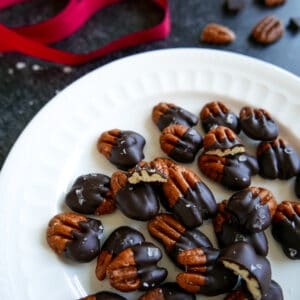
<point>24,92</point>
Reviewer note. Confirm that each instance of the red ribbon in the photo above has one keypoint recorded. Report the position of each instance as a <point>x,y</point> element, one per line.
<point>33,40</point>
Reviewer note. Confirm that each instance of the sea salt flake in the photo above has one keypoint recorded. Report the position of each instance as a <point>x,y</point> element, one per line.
<point>229,119</point>
<point>79,195</point>
<point>293,252</point>
<point>10,71</point>
<point>67,70</point>
<point>152,252</point>
<point>20,65</point>
<point>145,284</point>
<point>36,67</point>
<point>242,158</point>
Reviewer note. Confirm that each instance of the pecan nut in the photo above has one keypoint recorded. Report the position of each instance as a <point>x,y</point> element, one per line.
<point>167,291</point>
<point>120,239</point>
<point>252,208</point>
<point>218,114</point>
<point>122,148</point>
<point>177,239</point>
<point>188,197</point>
<point>180,142</point>
<point>165,114</point>
<point>217,34</point>
<point>286,228</point>
<point>135,268</point>
<point>258,124</point>
<point>277,159</point>
<point>274,2</point>
<point>268,30</point>
<point>91,194</point>
<point>104,296</point>
<point>228,231</point>
<point>137,201</point>
<point>224,159</point>
<point>75,236</point>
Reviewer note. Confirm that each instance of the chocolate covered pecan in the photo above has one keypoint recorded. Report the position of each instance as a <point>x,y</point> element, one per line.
<point>277,159</point>
<point>104,296</point>
<point>91,194</point>
<point>75,236</point>
<point>225,159</point>
<point>253,208</point>
<point>286,228</point>
<point>217,34</point>
<point>297,186</point>
<point>268,30</point>
<point>235,5</point>
<point>180,142</point>
<point>122,148</point>
<point>218,114</point>
<point>165,114</point>
<point>229,231</point>
<point>135,268</point>
<point>168,291</point>
<point>120,239</point>
<point>216,281</point>
<point>177,240</point>
<point>137,201</point>
<point>188,197</point>
<point>258,124</point>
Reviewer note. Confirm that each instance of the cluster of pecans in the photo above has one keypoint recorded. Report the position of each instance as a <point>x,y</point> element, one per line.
<point>139,188</point>
<point>266,31</point>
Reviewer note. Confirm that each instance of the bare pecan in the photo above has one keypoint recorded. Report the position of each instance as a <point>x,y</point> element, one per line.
<point>107,140</point>
<point>217,34</point>
<point>118,181</point>
<point>287,210</point>
<point>218,114</point>
<point>75,236</point>
<point>268,30</point>
<point>274,2</point>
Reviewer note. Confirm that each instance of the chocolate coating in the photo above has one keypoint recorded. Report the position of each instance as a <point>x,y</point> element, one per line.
<point>88,192</point>
<point>172,291</point>
<point>177,115</point>
<point>243,257</point>
<point>128,150</point>
<point>238,171</point>
<point>249,212</point>
<point>258,124</point>
<point>104,296</point>
<point>231,233</point>
<point>274,292</point>
<point>122,238</point>
<point>85,245</point>
<point>187,147</point>
<point>277,160</point>
<point>297,186</point>
<point>197,205</point>
<point>138,201</point>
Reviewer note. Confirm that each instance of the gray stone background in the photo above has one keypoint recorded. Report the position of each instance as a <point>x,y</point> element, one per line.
<point>27,84</point>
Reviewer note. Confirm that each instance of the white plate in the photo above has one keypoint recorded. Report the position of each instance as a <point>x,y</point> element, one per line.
<point>59,145</point>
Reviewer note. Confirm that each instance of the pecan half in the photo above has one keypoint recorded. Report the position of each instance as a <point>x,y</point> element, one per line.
<point>258,124</point>
<point>124,148</point>
<point>253,208</point>
<point>120,239</point>
<point>91,194</point>
<point>277,159</point>
<point>188,197</point>
<point>274,2</point>
<point>286,228</point>
<point>180,142</point>
<point>218,114</point>
<point>75,236</point>
<point>135,268</point>
<point>217,34</point>
<point>268,30</point>
<point>165,114</point>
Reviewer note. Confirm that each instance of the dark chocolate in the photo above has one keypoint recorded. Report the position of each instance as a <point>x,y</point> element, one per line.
<point>138,201</point>
<point>122,238</point>
<point>235,6</point>
<point>187,146</point>
<point>197,205</point>
<point>258,124</point>
<point>177,115</point>
<point>88,192</point>
<point>85,245</point>
<point>294,24</point>
<point>238,170</point>
<point>297,186</point>
<point>231,233</point>
<point>104,296</point>
<point>276,159</point>
<point>172,291</point>
<point>241,258</point>
<point>250,211</point>
<point>128,150</point>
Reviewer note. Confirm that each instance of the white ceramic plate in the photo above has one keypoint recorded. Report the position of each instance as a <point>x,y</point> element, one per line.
<point>59,145</point>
